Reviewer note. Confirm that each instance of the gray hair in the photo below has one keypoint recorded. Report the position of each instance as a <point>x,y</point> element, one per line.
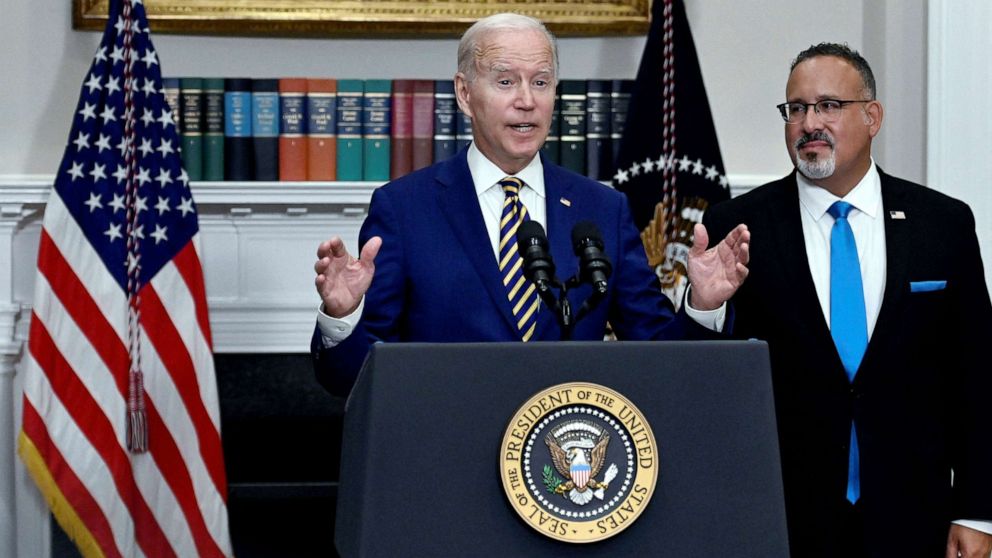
<point>468,47</point>
<point>846,53</point>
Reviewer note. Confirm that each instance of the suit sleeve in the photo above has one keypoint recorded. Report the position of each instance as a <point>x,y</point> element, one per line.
<point>337,368</point>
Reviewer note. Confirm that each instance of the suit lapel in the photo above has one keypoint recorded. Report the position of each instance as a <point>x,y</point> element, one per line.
<point>898,239</point>
<point>460,205</point>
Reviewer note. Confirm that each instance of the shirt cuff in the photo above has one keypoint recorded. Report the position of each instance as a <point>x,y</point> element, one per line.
<point>712,320</point>
<point>983,526</point>
<point>335,330</point>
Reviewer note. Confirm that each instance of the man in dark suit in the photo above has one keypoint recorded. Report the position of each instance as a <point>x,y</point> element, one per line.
<point>876,339</point>
<point>440,245</point>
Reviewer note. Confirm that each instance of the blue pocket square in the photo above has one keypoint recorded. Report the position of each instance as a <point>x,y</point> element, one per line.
<point>926,286</point>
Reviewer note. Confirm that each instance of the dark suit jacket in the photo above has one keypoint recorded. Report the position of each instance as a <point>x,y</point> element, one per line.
<point>437,280</point>
<point>920,398</point>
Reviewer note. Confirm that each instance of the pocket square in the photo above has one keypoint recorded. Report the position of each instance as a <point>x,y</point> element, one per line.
<point>926,286</point>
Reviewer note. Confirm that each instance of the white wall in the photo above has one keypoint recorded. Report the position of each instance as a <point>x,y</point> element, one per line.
<point>744,47</point>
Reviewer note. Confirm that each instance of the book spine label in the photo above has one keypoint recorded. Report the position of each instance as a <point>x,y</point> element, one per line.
<point>293,117</point>
<point>598,145</point>
<point>401,156</point>
<point>376,131</point>
<point>445,112</point>
<point>170,89</point>
<point>213,131</point>
<point>322,142</point>
<point>573,125</point>
<point>191,109</point>
<point>265,128</point>
<point>350,130</point>
<point>238,149</point>
<point>423,123</point>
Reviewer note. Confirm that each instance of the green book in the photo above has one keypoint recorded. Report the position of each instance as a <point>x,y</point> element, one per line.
<point>191,122</point>
<point>376,124</point>
<point>213,129</point>
<point>349,124</point>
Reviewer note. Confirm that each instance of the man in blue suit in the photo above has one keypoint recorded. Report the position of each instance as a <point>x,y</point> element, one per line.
<point>439,262</point>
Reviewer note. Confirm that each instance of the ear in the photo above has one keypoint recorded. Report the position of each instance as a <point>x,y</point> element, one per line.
<point>462,93</point>
<point>873,117</point>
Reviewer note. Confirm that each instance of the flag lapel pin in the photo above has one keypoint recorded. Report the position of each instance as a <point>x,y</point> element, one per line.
<point>897,215</point>
<point>566,202</point>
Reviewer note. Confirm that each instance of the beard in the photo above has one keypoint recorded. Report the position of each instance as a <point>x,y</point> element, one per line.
<point>815,168</point>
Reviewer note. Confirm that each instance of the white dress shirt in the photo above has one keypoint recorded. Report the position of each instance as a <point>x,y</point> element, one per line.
<point>867,221</point>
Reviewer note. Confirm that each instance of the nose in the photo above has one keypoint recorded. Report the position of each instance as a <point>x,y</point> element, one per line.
<point>811,120</point>
<point>525,97</point>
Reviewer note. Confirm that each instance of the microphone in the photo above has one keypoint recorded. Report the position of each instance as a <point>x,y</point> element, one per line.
<point>594,266</point>
<point>532,243</point>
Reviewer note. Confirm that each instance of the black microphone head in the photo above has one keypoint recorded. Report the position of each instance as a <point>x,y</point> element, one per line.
<point>583,233</point>
<point>529,233</point>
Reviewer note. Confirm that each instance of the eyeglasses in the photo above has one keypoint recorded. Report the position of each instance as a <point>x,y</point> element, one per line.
<point>828,109</point>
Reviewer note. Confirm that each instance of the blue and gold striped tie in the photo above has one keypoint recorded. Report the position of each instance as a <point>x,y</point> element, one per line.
<point>521,292</point>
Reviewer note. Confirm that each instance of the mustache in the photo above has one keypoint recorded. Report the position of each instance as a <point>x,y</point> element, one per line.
<point>815,136</point>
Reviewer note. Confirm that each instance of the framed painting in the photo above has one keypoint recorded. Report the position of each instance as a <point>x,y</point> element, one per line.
<point>371,18</point>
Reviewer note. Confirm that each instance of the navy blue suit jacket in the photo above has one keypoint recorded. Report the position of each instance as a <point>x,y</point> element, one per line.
<point>437,280</point>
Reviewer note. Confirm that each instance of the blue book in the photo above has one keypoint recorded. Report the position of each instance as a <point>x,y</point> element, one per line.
<point>265,128</point>
<point>445,113</point>
<point>238,148</point>
<point>599,147</point>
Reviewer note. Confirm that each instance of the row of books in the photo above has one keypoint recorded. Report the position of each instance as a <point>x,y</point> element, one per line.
<point>296,129</point>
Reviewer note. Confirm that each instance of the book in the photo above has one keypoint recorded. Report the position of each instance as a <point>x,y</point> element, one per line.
<point>170,88</point>
<point>463,130</point>
<point>239,153</point>
<point>213,129</point>
<point>619,105</point>
<point>191,116</point>
<point>265,128</point>
<point>552,144</point>
<point>292,129</point>
<point>349,122</point>
<point>322,143</point>
<point>376,129</point>
<point>572,125</point>
<point>445,112</point>
<point>401,156</point>
<point>599,147</point>
<point>423,123</point>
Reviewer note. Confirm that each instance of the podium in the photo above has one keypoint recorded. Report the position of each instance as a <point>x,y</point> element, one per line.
<point>420,466</point>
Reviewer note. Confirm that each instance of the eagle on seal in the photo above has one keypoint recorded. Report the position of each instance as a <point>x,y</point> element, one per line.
<point>571,463</point>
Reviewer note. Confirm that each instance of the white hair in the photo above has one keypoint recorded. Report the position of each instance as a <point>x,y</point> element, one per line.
<point>468,47</point>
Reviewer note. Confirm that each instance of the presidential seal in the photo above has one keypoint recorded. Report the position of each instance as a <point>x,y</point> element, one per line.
<point>578,462</point>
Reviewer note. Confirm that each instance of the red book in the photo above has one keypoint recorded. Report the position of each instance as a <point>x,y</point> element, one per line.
<point>322,143</point>
<point>401,157</point>
<point>292,139</point>
<point>423,123</point>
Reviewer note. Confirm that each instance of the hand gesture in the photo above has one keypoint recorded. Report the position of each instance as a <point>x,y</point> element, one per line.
<point>715,274</point>
<point>341,279</point>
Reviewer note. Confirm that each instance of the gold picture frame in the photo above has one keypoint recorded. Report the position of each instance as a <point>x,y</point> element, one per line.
<point>370,18</point>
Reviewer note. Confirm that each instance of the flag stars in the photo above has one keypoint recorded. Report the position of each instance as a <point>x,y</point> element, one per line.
<point>93,83</point>
<point>163,205</point>
<point>165,118</point>
<point>103,143</point>
<point>147,118</point>
<point>101,54</point>
<point>165,147</point>
<point>108,114</point>
<point>94,202</point>
<point>149,87</point>
<point>114,232</point>
<point>648,165</point>
<point>186,206</point>
<point>76,171</point>
<point>723,181</point>
<point>88,111</point>
<point>142,204</point>
<point>184,178</point>
<point>132,261</point>
<point>697,167</point>
<point>82,141</point>
<point>122,146</point>
<point>149,58</point>
<point>98,172</point>
<point>684,163</point>
<point>118,53</point>
<point>119,26</point>
<point>621,176</point>
<point>711,172</point>
<point>146,147</point>
<point>635,169</point>
<point>117,203</point>
<point>143,176</point>
<point>121,173</point>
<point>160,234</point>
<point>163,179</point>
<point>113,85</point>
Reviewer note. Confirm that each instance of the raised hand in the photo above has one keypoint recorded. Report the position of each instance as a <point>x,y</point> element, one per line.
<point>341,279</point>
<point>715,274</point>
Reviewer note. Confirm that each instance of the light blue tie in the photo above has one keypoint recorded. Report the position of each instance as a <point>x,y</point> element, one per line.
<point>848,324</point>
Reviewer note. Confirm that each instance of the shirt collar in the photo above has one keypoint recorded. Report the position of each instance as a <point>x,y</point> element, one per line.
<point>866,195</point>
<point>485,173</point>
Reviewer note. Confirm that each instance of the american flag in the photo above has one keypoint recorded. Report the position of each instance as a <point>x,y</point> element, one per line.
<point>121,426</point>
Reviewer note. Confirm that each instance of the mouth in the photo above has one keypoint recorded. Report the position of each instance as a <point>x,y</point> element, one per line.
<point>814,141</point>
<point>523,128</point>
